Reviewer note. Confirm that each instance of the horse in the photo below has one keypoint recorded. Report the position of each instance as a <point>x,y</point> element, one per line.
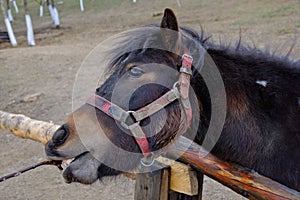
<point>261,128</point>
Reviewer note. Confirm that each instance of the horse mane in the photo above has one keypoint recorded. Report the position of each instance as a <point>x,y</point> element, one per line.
<point>243,49</point>
<point>128,41</point>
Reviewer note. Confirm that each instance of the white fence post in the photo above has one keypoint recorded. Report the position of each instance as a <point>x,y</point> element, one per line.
<point>15,6</point>
<point>9,15</point>
<point>81,5</point>
<point>30,35</point>
<point>41,10</point>
<point>10,31</point>
<point>56,17</point>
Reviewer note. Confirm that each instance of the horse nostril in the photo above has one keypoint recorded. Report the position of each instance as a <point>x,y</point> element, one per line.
<point>61,135</point>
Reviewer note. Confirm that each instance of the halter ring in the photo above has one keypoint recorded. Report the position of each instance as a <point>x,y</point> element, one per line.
<point>148,161</point>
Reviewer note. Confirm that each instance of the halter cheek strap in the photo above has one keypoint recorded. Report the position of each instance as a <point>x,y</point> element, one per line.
<point>184,84</point>
<point>179,91</point>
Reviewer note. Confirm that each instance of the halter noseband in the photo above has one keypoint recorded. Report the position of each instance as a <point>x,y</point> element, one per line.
<point>180,91</point>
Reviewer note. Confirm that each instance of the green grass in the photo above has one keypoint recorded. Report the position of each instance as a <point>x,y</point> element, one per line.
<point>281,30</point>
<point>243,21</point>
<point>284,30</point>
<point>90,6</point>
<point>283,11</point>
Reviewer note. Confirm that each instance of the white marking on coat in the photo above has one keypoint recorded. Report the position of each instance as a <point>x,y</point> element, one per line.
<point>262,83</point>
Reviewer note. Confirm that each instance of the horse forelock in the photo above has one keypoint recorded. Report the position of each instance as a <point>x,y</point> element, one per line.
<point>138,41</point>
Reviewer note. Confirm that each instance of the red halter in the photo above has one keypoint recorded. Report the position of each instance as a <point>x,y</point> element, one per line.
<point>179,91</point>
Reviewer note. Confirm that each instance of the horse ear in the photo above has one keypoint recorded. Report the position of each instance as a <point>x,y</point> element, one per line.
<point>169,20</point>
<point>170,31</point>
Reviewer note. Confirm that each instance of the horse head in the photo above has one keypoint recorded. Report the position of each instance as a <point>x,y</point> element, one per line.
<point>98,136</point>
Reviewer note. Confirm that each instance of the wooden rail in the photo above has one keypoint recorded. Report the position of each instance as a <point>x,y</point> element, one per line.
<point>239,179</point>
<point>243,181</point>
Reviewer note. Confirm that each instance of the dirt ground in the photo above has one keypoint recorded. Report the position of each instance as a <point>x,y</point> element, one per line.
<point>50,68</point>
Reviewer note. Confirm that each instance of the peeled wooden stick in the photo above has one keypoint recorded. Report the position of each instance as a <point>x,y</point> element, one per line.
<point>25,127</point>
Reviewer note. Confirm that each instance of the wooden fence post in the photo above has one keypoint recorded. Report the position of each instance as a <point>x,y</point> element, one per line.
<point>153,184</point>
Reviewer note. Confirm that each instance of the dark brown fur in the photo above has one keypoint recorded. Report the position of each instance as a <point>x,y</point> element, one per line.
<point>262,127</point>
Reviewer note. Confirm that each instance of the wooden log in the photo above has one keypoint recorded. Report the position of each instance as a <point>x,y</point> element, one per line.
<point>239,179</point>
<point>243,181</point>
<point>25,127</point>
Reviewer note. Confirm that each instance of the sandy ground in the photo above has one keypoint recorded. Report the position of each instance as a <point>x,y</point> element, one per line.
<point>50,68</point>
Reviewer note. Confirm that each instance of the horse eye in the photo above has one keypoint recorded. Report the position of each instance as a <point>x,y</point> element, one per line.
<point>135,72</point>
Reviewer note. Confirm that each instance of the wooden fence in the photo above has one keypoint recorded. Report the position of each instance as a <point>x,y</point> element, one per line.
<point>167,179</point>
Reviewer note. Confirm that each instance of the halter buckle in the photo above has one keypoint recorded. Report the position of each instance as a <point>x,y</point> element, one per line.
<point>186,64</point>
<point>187,57</point>
<point>186,71</point>
<point>125,118</point>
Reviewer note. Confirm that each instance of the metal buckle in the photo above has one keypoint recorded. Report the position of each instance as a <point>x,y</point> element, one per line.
<point>176,85</point>
<point>148,161</point>
<point>187,62</point>
<point>186,71</point>
<point>124,119</point>
<point>190,58</point>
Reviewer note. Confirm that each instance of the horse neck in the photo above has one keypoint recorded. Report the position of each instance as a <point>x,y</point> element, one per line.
<point>256,113</point>
<point>261,129</point>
